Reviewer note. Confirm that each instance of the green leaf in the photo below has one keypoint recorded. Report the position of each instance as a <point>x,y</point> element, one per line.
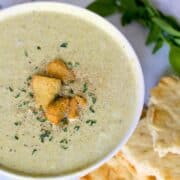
<point>174,58</point>
<point>158,45</point>
<point>177,41</point>
<point>103,7</point>
<point>172,21</point>
<point>127,18</point>
<point>153,35</point>
<point>166,27</point>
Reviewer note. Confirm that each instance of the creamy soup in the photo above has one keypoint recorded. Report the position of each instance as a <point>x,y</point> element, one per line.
<point>105,76</point>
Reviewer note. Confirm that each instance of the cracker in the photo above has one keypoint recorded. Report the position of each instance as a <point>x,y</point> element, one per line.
<point>118,168</point>
<point>139,151</point>
<point>164,116</point>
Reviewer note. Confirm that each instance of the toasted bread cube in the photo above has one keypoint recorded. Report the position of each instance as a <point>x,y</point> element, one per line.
<point>57,110</point>
<point>45,89</point>
<point>73,113</point>
<point>58,69</point>
<point>82,102</point>
<point>54,119</point>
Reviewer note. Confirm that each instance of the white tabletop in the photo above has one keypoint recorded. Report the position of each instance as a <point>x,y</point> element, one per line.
<point>154,66</point>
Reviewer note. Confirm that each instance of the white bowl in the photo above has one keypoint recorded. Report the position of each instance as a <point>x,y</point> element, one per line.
<point>118,36</point>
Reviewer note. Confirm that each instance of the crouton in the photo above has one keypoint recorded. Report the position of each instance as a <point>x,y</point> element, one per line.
<point>45,89</point>
<point>73,113</point>
<point>82,102</point>
<point>58,69</point>
<point>57,110</point>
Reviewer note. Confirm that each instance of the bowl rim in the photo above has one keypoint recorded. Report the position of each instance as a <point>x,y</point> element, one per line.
<point>117,35</point>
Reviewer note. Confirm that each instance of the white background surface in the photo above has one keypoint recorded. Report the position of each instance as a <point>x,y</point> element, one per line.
<point>154,66</point>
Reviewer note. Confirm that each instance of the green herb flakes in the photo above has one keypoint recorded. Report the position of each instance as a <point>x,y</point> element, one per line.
<point>64,144</point>
<point>93,97</point>
<point>64,147</point>
<point>29,78</point>
<point>45,134</point>
<point>16,137</point>
<point>91,122</point>
<point>51,138</point>
<point>17,96</point>
<point>25,103</point>
<point>69,64</point>
<point>38,48</point>
<point>35,112</point>
<point>77,128</point>
<point>64,121</point>
<point>31,94</point>
<point>94,100</point>
<point>33,151</point>
<point>71,92</point>
<point>72,81</point>
<point>26,53</point>
<point>18,123</point>
<point>41,119</point>
<point>64,141</point>
<point>23,90</point>
<point>76,64</point>
<point>92,109</point>
<point>64,45</point>
<point>65,129</point>
<point>10,89</point>
<point>85,87</point>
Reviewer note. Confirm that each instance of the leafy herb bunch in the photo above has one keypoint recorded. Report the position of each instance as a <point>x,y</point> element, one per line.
<point>162,28</point>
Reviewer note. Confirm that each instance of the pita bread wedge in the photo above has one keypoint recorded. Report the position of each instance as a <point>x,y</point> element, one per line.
<point>139,151</point>
<point>118,168</point>
<point>164,116</point>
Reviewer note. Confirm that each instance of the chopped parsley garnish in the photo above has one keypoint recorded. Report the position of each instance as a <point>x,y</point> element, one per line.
<point>11,89</point>
<point>35,112</point>
<point>94,100</point>
<point>77,128</point>
<point>56,97</point>
<point>64,143</point>
<point>18,123</point>
<point>64,147</point>
<point>72,65</point>
<point>76,64</point>
<point>69,64</point>
<point>64,45</point>
<point>31,94</point>
<point>91,122</point>
<point>34,150</point>
<point>38,48</point>
<point>45,134</point>
<point>23,90</point>
<point>93,97</point>
<point>20,105</point>
<point>64,121</point>
<point>26,53</point>
<point>71,91</point>
<point>85,87</point>
<point>17,95</point>
<point>41,119</point>
<point>51,138</point>
<point>26,102</point>
<point>72,81</point>
<point>91,109</point>
<point>16,137</point>
<point>29,78</point>
<point>65,129</point>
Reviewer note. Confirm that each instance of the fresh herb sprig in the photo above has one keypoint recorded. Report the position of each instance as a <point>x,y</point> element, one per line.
<point>162,28</point>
